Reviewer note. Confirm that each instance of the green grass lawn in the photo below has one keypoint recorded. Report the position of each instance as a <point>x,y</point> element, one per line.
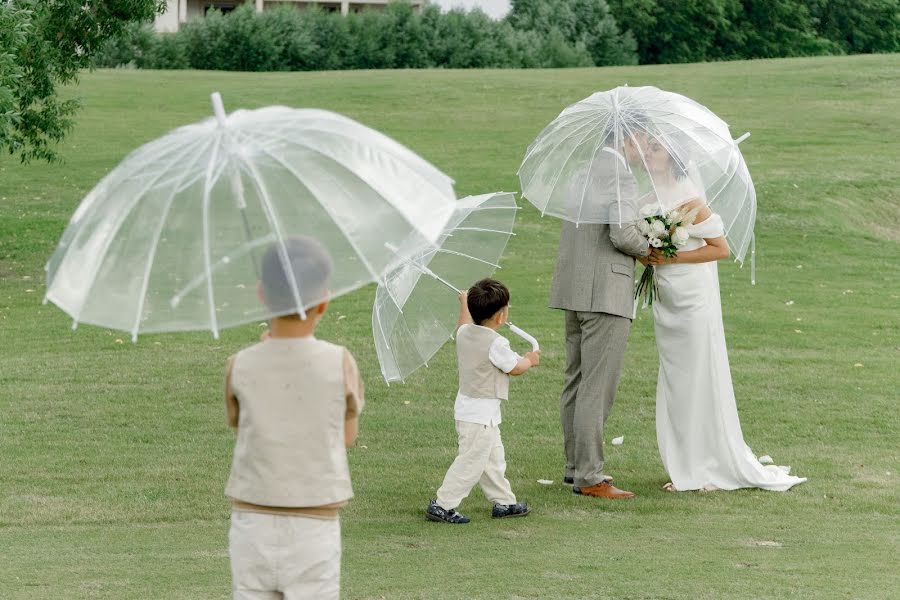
<point>113,456</point>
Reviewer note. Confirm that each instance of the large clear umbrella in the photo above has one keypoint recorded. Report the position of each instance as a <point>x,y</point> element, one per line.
<point>171,239</point>
<point>416,307</point>
<point>607,157</point>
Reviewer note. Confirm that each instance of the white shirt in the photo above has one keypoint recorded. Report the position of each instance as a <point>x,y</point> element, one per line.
<point>486,411</point>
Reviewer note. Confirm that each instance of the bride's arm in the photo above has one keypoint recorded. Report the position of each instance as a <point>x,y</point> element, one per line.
<point>715,249</point>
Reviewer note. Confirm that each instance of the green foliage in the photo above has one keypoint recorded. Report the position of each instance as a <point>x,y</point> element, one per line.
<point>859,26</point>
<point>582,25</point>
<point>45,44</point>
<point>536,33</point>
<point>701,30</point>
<point>130,48</point>
<point>398,37</point>
<point>778,28</point>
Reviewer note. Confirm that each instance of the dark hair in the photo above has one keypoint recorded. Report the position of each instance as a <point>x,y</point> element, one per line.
<point>486,297</point>
<point>311,266</point>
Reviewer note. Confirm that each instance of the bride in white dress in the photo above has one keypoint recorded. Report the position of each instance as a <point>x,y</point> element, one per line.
<point>697,425</point>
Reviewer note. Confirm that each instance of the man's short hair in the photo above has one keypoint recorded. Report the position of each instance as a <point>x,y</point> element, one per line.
<point>486,297</point>
<point>311,265</point>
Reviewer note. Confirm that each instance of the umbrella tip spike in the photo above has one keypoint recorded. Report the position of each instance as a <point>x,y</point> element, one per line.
<point>218,108</point>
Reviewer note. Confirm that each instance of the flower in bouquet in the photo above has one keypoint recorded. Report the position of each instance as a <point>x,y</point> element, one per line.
<point>666,232</point>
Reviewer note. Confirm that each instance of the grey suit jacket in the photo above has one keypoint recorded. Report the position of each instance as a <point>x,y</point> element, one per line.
<point>595,268</point>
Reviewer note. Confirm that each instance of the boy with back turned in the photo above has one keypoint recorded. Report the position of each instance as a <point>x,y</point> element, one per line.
<point>295,403</point>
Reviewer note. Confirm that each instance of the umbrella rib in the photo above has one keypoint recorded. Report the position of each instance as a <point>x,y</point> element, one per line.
<point>342,166</point>
<point>404,161</point>
<point>727,183</point>
<point>152,254</point>
<point>727,139</point>
<point>581,121</point>
<point>246,248</point>
<point>750,221</point>
<point>390,146</point>
<point>569,157</point>
<point>207,263</point>
<point>587,178</point>
<point>136,198</point>
<point>588,123</point>
<point>476,259</point>
<point>271,217</point>
<point>375,276</point>
<point>387,342</point>
<point>483,230</point>
<point>644,162</point>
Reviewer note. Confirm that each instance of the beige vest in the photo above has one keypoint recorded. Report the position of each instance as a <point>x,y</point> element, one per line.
<point>478,377</point>
<point>290,440</point>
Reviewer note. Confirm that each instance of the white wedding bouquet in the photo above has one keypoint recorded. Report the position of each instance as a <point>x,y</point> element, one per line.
<point>666,232</point>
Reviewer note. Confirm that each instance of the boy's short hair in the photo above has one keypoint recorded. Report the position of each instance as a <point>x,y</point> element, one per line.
<point>311,265</point>
<point>486,297</point>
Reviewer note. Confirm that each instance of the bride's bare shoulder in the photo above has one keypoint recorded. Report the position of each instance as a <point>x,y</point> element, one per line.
<point>699,208</point>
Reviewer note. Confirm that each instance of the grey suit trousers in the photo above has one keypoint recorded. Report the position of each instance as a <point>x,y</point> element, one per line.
<point>595,352</point>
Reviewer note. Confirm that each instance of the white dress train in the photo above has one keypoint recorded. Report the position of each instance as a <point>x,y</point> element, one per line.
<point>697,424</point>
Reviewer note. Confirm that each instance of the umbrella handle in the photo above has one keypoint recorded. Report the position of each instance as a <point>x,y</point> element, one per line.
<point>535,347</point>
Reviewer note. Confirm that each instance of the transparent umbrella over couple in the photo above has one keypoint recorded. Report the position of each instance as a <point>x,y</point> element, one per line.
<point>171,239</point>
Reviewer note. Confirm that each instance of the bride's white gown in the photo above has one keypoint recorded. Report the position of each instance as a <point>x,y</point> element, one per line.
<point>697,425</point>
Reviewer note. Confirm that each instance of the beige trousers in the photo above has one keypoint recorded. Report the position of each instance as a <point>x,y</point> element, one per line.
<point>480,460</point>
<point>275,557</point>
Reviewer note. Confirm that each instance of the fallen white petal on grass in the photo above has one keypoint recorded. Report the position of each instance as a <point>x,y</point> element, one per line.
<point>406,402</point>
<point>618,441</point>
<point>789,303</point>
<point>766,543</point>
<point>765,459</point>
<point>545,481</point>
<point>858,365</point>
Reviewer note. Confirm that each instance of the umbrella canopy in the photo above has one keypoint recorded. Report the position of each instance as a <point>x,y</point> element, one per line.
<point>625,152</point>
<point>416,309</point>
<point>171,239</point>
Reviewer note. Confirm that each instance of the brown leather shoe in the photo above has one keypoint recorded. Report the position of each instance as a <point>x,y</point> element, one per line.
<point>604,489</point>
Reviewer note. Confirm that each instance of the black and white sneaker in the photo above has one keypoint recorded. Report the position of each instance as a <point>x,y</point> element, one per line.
<point>435,512</point>
<point>568,480</point>
<point>503,511</point>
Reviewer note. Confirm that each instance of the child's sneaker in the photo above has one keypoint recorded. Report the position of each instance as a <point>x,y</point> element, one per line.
<point>502,511</point>
<point>435,512</point>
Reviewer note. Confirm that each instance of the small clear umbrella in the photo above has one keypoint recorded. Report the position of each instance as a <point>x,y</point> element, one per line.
<point>416,307</point>
<point>606,157</point>
<point>170,240</point>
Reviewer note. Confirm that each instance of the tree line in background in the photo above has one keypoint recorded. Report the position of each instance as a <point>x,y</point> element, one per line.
<point>536,33</point>
<point>44,44</point>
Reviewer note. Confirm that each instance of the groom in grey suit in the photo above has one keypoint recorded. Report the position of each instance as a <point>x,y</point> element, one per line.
<point>594,285</point>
